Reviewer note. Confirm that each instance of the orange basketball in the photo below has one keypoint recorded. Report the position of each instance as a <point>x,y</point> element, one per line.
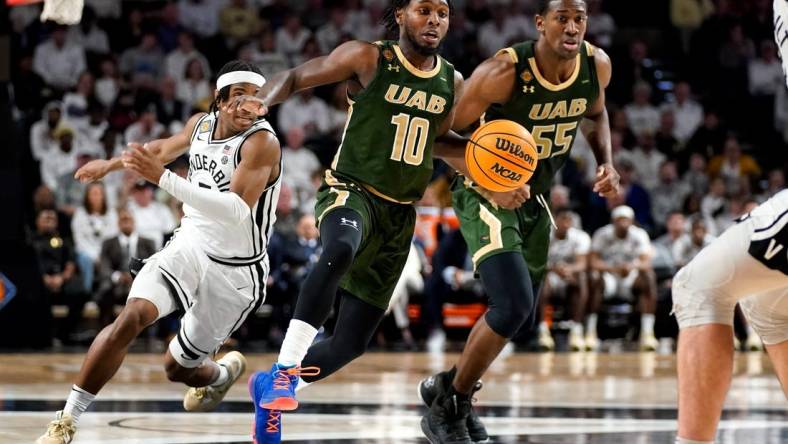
<point>501,155</point>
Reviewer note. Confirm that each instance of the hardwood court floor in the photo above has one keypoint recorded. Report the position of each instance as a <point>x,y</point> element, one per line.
<point>530,398</point>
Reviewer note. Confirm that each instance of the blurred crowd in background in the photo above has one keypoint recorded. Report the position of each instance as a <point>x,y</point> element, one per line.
<point>698,111</point>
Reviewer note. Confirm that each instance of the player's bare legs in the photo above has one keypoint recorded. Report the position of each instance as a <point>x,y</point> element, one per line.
<point>480,351</point>
<point>108,350</point>
<point>705,367</point>
<point>778,353</point>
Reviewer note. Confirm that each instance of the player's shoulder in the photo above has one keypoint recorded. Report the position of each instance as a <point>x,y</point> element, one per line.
<point>639,233</point>
<point>579,235</point>
<point>604,232</point>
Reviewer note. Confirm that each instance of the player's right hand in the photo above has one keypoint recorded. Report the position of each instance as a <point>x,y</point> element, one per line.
<point>251,104</point>
<point>92,171</point>
<point>511,200</point>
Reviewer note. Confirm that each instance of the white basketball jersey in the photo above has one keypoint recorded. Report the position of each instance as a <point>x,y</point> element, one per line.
<point>212,163</point>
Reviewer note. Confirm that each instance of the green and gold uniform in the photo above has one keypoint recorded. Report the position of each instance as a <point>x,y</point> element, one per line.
<point>552,114</point>
<point>384,164</point>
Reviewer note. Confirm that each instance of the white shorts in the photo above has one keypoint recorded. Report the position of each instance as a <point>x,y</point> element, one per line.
<point>216,298</point>
<point>707,289</point>
<point>618,286</point>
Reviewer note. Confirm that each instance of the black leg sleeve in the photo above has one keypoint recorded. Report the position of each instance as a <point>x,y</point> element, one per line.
<point>356,324</point>
<point>340,244</point>
<point>507,283</point>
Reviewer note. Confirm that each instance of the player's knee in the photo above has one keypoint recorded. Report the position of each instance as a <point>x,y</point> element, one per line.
<point>338,253</point>
<point>508,312</point>
<point>129,323</point>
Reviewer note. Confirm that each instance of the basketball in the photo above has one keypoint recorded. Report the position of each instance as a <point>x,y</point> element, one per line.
<point>501,155</point>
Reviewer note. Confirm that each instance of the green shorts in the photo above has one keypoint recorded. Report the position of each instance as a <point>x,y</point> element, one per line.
<point>387,232</point>
<point>489,230</point>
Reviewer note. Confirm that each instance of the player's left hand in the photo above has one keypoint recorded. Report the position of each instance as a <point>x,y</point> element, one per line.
<point>606,183</point>
<point>143,162</point>
<point>510,199</point>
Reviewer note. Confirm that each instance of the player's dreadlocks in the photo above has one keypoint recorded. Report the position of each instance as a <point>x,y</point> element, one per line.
<point>233,65</point>
<point>389,19</point>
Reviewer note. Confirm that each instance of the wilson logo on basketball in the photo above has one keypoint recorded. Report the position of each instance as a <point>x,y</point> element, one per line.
<point>513,149</point>
<point>506,173</point>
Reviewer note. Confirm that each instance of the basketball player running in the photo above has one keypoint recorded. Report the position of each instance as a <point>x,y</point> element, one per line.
<point>401,96</point>
<point>747,264</point>
<point>550,86</point>
<point>215,267</point>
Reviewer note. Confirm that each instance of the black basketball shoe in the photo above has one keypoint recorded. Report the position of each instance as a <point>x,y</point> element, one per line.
<point>444,423</point>
<point>430,388</point>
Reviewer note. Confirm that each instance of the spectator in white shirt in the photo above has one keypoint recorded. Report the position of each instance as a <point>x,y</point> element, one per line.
<point>58,62</point>
<point>765,72</point>
<point>144,62</point>
<point>647,160</point>
<point>175,62</point>
<point>687,112</point>
<point>108,84</point>
<point>601,26</point>
<point>621,266</point>
<point>42,133</point>
<point>153,219</point>
<point>90,133</point>
<point>201,17</point>
<point>193,89</point>
<point>567,278</point>
<point>145,129</point>
<point>493,34</point>
<point>305,111</point>
<point>370,29</point>
<point>60,158</point>
<point>689,245</point>
<point>265,56</point>
<point>88,34</point>
<point>290,38</point>
<point>93,222</point>
<point>328,35</point>
<point>298,164</point>
<point>642,116</point>
<point>75,103</point>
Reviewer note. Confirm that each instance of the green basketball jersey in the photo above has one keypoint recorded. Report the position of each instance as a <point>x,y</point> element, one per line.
<point>550,112</point>
<point>392,124</point>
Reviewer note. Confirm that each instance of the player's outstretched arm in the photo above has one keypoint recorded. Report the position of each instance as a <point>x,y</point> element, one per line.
<point>596,128</point>
<point>491,82</point>
<point>166,150</point>
<point>351,60</point>
<point>260,157</point>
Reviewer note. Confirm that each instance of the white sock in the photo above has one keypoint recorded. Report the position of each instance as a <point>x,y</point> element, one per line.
<point>576,328</point>
<point>647,323</point>
<point>224,375</point>
<point>78,401</point>
<point>591,324</point>
<point>750,331</point>
<point>298,338</point>
<point>543,328</point>
<point>302,384</point>
<point>691,441</point>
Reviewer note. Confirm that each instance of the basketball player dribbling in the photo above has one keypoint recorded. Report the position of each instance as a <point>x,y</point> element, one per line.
<point>215,267</point>
<point>550,86</point>
<point>401,96</point>
<point>747,264</point>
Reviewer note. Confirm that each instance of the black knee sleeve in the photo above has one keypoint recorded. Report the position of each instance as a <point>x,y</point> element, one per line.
<point>340,243</point>
<point>510,292</point>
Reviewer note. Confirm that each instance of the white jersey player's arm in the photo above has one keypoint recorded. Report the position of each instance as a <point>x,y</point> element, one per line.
<point>166,150</point>
<point>259,162</point>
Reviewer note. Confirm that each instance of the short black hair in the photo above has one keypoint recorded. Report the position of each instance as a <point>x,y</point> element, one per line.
<point>233,65</point>
<point>389,19</point>
<point>543,6</point>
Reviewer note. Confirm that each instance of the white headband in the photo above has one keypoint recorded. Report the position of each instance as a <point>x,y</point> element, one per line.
<point>233,77</point>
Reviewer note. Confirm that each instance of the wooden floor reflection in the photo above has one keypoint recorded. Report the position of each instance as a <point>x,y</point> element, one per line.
<point>531,398</point>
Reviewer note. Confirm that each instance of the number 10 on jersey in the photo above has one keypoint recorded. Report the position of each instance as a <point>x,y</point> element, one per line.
<point>410,138</point>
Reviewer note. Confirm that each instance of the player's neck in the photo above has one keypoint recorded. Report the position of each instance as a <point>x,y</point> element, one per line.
<point>223,131</point>
<point>553,68</point>
<point>420,61</point>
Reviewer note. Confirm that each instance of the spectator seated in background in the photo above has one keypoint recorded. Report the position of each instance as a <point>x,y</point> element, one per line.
<point>732,165</point>
<point>621,267</point>
<point>61,157</point>
<point>144,63</point>
<point>62,283</point>
<point>93,222</point>
<point>642,116</point>
<point>664,263</point>
<point>690,244</point>
<point>114,277</point>
<point>298,164</point>
<point>307,112</point>
<point>410,282</point>
<point>58,61</point>
<point>175,62</point>
<point>70,193</point>
<point>567,279</point>
<point>147,127</point>
<point>668,195</point>
<point>153,219</point>
<point>42,133</point>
